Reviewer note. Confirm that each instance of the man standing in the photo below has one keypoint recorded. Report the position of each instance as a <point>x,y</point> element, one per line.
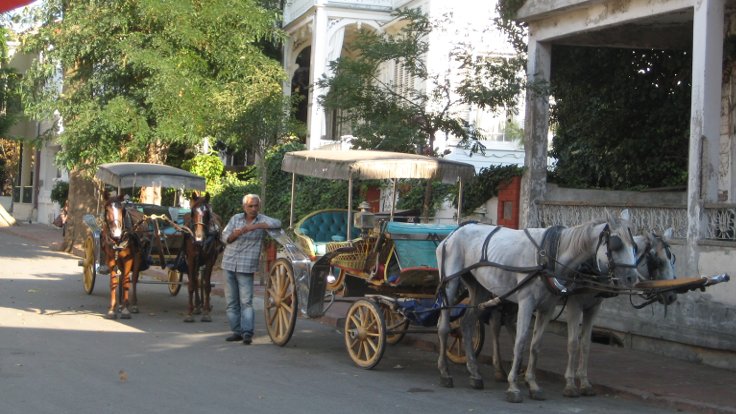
<point>243,238</point>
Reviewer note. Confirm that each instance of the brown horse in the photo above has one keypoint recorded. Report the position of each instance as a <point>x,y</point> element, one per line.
<point>122,248</point>
<point>201,249</point>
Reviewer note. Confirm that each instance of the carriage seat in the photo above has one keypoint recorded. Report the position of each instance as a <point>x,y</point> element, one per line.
<point>415,244</point>
<point>317,229</point>
<point>174,213</point>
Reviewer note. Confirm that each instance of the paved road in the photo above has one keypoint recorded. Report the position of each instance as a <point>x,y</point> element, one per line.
<point>58,355</point>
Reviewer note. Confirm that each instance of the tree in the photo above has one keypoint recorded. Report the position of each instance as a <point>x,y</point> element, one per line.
<point>386,116</point>
<point>622,117</point>
<point>142,75</point>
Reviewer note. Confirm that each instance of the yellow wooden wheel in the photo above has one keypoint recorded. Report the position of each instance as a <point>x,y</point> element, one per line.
<point>280,302</point>
<point>365,333</point>
<point>456,346</point>
<point>175,278</point>
<point>88,267</point>
<point>396,325</point>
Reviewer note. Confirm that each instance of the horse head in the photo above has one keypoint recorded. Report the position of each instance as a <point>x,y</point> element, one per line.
<point>114,217</point>
<point>656,261</point>
<point>200,216</point>
<point>615,251</point>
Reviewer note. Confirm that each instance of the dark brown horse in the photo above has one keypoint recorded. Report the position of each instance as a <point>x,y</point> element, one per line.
<point>201,249</point>
<point>122,248</point>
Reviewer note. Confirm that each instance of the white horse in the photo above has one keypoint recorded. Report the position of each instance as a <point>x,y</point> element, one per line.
<point>534,268</point>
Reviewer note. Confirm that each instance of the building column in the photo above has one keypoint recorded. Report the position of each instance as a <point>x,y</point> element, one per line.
<point>534,181</point>
<point>318,66</point>
<point>705,116</point>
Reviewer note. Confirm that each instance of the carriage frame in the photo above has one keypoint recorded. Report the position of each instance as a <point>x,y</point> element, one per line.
<point>307,281</point>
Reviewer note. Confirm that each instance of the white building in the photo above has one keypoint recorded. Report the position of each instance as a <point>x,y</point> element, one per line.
<point>37,172</point>
<point>321,31</point>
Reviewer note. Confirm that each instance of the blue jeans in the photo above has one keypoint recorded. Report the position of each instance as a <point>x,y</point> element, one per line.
<point>239,296</point>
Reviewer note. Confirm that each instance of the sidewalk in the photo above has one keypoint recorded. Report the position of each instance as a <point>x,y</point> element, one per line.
<point>650,378</point>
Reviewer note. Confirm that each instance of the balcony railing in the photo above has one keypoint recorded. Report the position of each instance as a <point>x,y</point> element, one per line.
<point>720,217</point>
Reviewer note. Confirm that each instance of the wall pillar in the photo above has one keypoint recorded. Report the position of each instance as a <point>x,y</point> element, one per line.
<point>316,113</point>
<point>704,151</point>
<point>534,181</point>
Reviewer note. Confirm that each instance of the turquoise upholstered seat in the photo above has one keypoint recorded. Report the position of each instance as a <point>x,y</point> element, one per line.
<point>416,244</point>
<point>321,227</point>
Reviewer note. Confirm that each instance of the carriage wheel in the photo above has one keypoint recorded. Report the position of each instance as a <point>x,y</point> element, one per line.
<point>396,325</point>
<point>365,333</point>
<point>280,302</point>
<point>456,346</point>
<point>175,278</point>
<point>89,268</point>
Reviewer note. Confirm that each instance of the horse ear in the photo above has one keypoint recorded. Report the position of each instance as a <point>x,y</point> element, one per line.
<point>105,195</point>
<point>668,234</point>
<point>194,196</point>
<point>206,197</point>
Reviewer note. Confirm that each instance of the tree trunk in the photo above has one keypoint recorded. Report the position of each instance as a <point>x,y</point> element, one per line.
<point>157,154</point>
<point>82,200</point>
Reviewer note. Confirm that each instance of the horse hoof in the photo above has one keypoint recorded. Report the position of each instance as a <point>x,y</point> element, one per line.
<point>189,319</point>
<point>514,396</point>
<point>125,314</point>
<point>197,311</point>
<point>476,383</point>
<point>206,318</point>
<point>446,382</point>
<point>587,392</point>
<point>537,395</point>
<point>134,309</point>
<point>570,392</point>
<point>111,315</point>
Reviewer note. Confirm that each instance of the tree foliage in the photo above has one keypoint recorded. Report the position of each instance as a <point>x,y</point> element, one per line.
<point>144,74</point>
<point>621,117</point>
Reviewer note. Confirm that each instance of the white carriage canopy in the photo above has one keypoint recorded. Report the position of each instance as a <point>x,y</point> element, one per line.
<point>378,165</point>
<point>373,165</point>
<point>139,174</point>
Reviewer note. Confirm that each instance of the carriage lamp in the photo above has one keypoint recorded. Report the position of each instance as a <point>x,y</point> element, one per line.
<point>364,219</point>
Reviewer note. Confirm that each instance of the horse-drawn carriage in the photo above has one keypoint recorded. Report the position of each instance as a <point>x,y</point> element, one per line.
<point>125,237</point>
<point>384,268</point>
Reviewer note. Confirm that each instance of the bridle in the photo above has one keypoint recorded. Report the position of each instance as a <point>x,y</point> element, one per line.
<point>613,243</point>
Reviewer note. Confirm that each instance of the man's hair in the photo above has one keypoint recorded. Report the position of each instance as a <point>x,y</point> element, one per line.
<point>251,196</point>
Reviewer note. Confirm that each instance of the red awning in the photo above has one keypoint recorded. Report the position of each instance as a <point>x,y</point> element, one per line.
<point>8,5</point>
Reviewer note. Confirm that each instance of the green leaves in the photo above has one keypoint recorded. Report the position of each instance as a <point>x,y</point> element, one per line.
<point>622,117</point>
<point>143,72</point>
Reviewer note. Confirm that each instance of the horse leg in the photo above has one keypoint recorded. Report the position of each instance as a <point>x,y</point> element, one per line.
<point>586,388</point>
<point>133,292</point>
<point>126,272</point>
<point>206,289</point>
<point>443,330</point>
<point>523,320</point>
<point>574,312</point>
<point>191,285</point>
<point>540,325</point>
<point>469,322</point>
<point>114,278</point>
<point>498,372</point>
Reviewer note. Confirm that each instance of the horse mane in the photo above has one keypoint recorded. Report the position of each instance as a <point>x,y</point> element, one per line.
<point>577,238</point>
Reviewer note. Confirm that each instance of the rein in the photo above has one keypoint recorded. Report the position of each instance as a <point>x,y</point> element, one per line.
<point>547,264</point>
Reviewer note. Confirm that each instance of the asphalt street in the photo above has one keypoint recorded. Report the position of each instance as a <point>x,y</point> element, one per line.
<point>58,355</point>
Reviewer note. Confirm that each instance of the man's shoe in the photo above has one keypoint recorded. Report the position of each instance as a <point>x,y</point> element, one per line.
<point>233,338</point>
<point>247,340</point>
